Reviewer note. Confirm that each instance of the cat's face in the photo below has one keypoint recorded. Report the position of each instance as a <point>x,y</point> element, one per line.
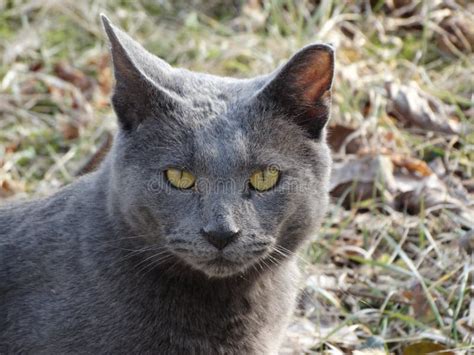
<point>225,174</point>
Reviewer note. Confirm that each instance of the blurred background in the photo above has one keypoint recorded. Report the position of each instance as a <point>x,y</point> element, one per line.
<point>393,266</point>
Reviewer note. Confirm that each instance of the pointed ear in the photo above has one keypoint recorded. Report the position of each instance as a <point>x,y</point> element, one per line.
<point>141,79</point>
<point>302,88</point>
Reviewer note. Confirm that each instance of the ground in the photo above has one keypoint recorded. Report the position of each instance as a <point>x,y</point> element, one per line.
<point>393,264</point>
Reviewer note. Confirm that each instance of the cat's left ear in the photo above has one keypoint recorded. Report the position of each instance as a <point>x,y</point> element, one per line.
<point>143,82</point>
<point>302,88</point>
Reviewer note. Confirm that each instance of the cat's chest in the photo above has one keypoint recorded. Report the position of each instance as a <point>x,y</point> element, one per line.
<point>170,319</point>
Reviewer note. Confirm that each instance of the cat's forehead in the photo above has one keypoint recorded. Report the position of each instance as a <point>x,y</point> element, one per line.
<point>205,89</point>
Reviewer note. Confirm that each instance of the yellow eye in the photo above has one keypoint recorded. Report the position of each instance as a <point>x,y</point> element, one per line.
<point>181,179</point>
<point>263,180</point>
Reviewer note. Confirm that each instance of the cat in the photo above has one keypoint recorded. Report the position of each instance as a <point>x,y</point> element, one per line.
<point>184,239</point>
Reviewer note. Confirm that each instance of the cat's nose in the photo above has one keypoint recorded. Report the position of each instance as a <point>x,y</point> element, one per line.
<point>220,238</point>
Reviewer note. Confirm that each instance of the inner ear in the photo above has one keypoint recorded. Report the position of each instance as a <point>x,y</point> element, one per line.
<point>302,88</point>
<point>313,73</point>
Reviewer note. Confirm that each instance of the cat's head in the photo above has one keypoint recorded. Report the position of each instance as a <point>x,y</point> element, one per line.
<point>224,174</point>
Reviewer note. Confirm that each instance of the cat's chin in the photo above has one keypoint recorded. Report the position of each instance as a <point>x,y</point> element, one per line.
<point>221,267</point>
<point>218,267</point>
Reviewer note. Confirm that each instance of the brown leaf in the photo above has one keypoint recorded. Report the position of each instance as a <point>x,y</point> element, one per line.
<point>466,242</point>
<point>413,106</point>
<point>413,165</point>
<point>340,136</point>
<point>9,188</point>
<point>12,147</point>
<point>417,192</point>
<point>70,130</point>
<point>105,80</point>
<point>406,183</point>
<point>73,75</point>
<point>359,175</point>
<point>469,185</point>
<point>458,34</point>
<point>419,303</point>
<point>426,347</point>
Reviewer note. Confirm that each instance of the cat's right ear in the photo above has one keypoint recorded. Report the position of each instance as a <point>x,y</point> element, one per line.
<point>302,88</point>
<point>140,79</point>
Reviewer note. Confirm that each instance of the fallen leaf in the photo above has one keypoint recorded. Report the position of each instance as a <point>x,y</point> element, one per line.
<point>419,303</point>
<point>105,79</point>
<point>73,75</point>
<point>9,188</point>
<point>411,105</point>
<point>12,147</point>
<point>426,347</point>
<point>466,242</point>
<point>469,185</point>
<point>340,136</point>
<point>412,165</point>
<point>417,192</point>
<point>70,130</point>
<point>355,179</point>
<point>458,34</point>
<point>406,183</point>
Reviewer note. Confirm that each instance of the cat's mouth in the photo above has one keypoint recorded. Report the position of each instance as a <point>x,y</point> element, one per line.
<point>217,265</point>
<point>228,261</point>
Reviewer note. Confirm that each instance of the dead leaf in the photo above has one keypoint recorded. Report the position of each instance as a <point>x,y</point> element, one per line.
<point>359,175</point>
<point>466,242</point>
<point>419,303</point>
<point>70,130</point>
<point>413,165</point>
<point>408,184</point>
<point>469,185</point>
<point>105,80</point>
<point>417,192</point>
<point>12,147</point>
<point>458,34</point>
<point>411,105</point>
<point>340,136</point>
<point>426,347</point>
<point>73,75</point>
<point>36,65</point>
<point>9,188</point>
<point>401,8</point>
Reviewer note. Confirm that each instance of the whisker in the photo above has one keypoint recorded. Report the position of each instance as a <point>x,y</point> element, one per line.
<point>152,265</point>
<point>162,252</point>
<point>136,253</point>
<point>286,253</point>
<point>117,240</point>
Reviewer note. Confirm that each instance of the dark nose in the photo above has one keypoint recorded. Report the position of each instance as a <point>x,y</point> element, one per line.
<point>220,238</point>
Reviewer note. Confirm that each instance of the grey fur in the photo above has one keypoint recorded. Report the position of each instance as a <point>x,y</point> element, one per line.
<point>116,262</point>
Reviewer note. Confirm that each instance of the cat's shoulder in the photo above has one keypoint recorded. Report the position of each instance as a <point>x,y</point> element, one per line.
<point>45,217</point>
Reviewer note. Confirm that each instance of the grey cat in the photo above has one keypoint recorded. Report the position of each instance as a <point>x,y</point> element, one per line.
<point>184,240</point>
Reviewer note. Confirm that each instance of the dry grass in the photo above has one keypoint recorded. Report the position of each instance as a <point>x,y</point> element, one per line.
<point>388,262</point>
